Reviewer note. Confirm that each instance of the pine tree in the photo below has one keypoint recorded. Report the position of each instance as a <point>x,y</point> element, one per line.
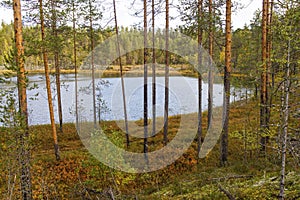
<point>153,71</point>
<point>24,160</point>
<point>227,71</point>
<point>167,65</point>
<point>48,84</point>
<point>145,84</point>
<point>121,74</point>
<point>56,61</point>
<point>264,77</point>
<point>210,73</point>
<point>200,38</point>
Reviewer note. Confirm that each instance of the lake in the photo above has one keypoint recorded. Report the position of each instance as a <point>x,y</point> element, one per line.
<point>183,97</point>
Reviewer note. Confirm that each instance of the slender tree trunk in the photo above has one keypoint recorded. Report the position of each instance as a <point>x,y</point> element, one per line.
<point>258,60</point>
<point>59,104</point>
<point>93,66</point>
<point>145,84</point>
<point>24,159</point>
<point>210,73</point>
<point>264,76</point>
<point>269,59</point>
<point>227,71</point>
<point>48,84</point>
<point>153,71</point>
<point>121,73</point>
<point>75,64</point>
<point>167,65</point>
<point>57,67</point>
<point>200,38</point>
<point>285,123</point>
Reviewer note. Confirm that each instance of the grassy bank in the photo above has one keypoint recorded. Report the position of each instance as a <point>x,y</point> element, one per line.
<point>78,175</point>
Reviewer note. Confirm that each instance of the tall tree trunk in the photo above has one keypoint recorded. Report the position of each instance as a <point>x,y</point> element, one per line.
<point>227,71</point>
<point>269,59</point>
<point>153,71</point>
<point>210,73</point>
<point>264,76</point>
<point>167,65</point>
<point>48,84</point>
<point>285,124</point>
<point>145,84</point>
<point>93,66</point>
<point>200,38</point>
<point>24,159</point>
<point>75,64</point>
<point>121,73</point>
<point>56,64</point>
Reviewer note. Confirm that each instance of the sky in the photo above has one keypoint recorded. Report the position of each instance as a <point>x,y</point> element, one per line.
<point>125,12</point>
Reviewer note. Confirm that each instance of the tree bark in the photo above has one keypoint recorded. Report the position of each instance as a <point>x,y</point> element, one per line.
<point>153,71</point>
<point>167,65</point>
<point>227,71</point>
<point>200,38</point>
<point>48,84</point>
<point>264,76</point>
<point>75,64</point>
<point>145,84</point>
<point>269,59</point>
<point>26,187</point>
<point>93,66</point>
<point>121,74</point>
<point>57,67</point>
<point>210,73</point>
<point>285,123</point>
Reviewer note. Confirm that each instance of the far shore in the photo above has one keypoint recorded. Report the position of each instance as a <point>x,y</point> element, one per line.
<point>130,71</point>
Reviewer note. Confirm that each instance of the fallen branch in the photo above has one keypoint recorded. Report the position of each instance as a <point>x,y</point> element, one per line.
<point>230,177</point>
<point>226,192</point>
<point>111,194</point>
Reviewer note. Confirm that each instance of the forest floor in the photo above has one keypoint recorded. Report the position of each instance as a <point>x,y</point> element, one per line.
<point>78,175</point>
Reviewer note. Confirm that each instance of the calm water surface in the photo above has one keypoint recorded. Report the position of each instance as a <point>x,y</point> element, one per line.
<point>183,98</point>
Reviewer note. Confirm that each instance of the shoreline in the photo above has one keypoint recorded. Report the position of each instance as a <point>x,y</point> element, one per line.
<point>130,71</point>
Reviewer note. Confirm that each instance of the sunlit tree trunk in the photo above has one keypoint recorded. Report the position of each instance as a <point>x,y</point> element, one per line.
<point>269,60</point>
<point>121,73</point>
<point>48,84</point>
<point>227,71</point>
<point>264,76</point>
<point>200,38</point>
<point>167,65</point>
<point>210,73</point>
<point>56,64</point>
<point>24,160</point>
<point>145,84</point>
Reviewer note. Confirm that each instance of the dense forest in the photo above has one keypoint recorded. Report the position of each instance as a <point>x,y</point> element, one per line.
<point>254,152</point>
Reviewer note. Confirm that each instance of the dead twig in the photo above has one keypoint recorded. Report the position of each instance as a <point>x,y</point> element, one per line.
<point>226,192</point>
<point>230,177</point>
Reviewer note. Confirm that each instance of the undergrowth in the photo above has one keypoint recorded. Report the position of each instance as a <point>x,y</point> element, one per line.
<point>247,175</point>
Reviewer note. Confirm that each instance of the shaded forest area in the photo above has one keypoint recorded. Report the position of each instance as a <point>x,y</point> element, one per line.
<point>258,153</point>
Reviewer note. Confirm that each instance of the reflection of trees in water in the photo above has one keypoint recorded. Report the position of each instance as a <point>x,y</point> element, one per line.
<point>101,105</point>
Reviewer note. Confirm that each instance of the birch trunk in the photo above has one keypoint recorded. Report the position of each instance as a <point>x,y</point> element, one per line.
<point>285,123</point>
